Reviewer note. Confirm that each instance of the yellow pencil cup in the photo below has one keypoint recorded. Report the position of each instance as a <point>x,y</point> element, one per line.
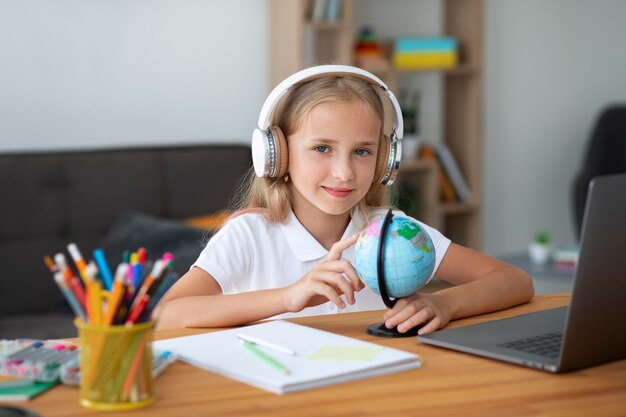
<point>116,366</point>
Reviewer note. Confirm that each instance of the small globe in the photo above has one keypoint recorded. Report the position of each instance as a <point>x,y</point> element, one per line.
<point>409,256</point>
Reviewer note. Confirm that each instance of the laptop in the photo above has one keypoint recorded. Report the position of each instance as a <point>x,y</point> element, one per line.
<point>588,332</point>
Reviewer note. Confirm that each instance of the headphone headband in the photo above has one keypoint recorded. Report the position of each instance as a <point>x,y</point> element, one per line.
<point>269,145</point>
<point>323,70</point>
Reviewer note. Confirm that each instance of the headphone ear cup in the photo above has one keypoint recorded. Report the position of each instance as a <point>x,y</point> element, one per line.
<point>382,159</point>
<point>261,158</point>
<point>282,153</point>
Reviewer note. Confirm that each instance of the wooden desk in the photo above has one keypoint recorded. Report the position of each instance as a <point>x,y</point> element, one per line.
<point>448,384</point>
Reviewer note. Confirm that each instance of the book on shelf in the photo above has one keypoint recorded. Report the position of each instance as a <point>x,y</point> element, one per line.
<point>446,190</point>
<point>425,60</point>
<point>325,10</point>
<point>425,53</point>
<point>449,164</point>
<point>317,358</point>
<point>317,11</point>
<point>332,12</point>
<point>432,44</point>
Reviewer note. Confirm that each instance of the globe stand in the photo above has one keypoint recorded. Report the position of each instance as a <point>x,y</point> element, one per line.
<point>379,329</point>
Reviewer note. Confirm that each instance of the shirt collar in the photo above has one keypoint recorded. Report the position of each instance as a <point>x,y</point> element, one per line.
<point>305,246</point>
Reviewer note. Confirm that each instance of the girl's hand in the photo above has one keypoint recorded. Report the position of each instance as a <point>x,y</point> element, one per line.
<point>326,281</point>
<point>427,310</point>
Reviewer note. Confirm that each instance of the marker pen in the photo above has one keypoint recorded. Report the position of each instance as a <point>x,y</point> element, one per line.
<point>26,351</point>
<point>50,264</point>
<point>117,295</point>
<point>77,257</point>
<point>71,280</point>
<point>148,282</point>
<point>142,255</point>
<point>94,296</point>
<point>103,265</point>
<point>75,305</point>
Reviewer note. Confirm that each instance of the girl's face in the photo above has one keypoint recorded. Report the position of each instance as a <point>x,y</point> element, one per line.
<point>332,158</point>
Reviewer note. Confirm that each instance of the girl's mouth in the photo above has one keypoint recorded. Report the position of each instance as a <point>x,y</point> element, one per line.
<point>338,192</point>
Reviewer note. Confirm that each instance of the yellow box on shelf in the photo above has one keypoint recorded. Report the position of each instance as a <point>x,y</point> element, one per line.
<point>425,60</point>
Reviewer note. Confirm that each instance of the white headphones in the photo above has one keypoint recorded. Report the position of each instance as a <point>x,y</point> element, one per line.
<point>269,146</point>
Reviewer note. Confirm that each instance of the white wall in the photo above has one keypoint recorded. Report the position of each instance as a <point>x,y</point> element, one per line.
<point>551,66</point>
<point>102,73</point>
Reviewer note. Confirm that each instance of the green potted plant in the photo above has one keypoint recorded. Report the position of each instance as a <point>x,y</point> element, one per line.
<point>540,248</point>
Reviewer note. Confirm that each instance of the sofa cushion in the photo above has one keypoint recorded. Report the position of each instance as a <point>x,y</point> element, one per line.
<point>202,181</point>
<point>32,201</point>
<point>105,184</point>
<point>133,230</point>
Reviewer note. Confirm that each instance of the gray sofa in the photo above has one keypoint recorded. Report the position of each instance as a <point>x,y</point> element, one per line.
<point>48,200</point>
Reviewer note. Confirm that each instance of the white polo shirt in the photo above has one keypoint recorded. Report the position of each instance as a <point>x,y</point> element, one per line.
<point>251,253</point>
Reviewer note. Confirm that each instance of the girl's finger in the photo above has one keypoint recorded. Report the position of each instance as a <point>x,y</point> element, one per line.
<point>327,291</point>
<point>337,280</point>
<point>431,326</point>
<point>346,268</point>
<point>338,247</point>
<point>357,284</point>
<point>397,308</point>
<point>408,318</point>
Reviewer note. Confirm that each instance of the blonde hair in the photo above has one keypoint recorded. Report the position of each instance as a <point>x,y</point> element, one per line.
<point>273,194</point>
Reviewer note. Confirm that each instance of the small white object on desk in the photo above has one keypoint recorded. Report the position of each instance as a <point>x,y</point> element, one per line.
<point>539,253</point>
<point>265,343</point>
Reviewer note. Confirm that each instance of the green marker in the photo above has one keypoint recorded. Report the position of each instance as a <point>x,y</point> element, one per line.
<point>265,357</point>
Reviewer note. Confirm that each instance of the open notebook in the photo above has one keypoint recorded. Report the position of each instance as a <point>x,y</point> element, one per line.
<point>321,358</point>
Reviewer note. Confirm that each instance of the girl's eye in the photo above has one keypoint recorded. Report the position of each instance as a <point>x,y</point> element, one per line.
<point>322,149</point>
<point>361,152</point>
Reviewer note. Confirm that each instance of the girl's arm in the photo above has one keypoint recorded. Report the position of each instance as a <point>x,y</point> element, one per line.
<point>196,300</point>
<point>483,284</point>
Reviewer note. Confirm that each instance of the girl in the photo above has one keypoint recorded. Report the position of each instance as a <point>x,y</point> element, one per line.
<point>288,250</point>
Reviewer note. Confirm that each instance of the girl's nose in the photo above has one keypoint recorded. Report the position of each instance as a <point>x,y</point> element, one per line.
<point>343,169</point>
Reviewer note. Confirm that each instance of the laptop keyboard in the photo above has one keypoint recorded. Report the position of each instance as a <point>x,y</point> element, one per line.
<point>548,344</point>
